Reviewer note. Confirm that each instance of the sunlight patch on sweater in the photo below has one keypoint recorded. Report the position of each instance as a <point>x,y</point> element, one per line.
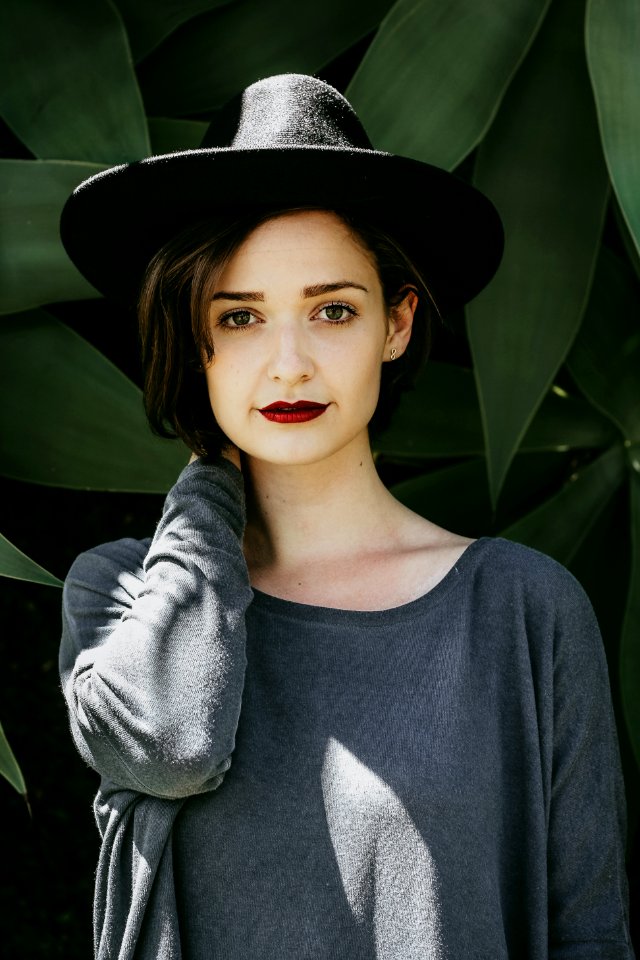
<point>387,872</point>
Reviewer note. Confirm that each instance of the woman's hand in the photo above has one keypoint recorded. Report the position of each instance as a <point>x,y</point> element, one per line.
<point>231,453</point>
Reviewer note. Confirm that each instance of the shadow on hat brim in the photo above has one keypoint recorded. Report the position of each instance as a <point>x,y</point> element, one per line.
<point>114,223</point>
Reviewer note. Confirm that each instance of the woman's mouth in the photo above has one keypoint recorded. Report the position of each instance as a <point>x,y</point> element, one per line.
<point>298,412</point>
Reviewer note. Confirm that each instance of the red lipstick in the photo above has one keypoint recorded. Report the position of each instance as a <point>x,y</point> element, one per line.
<point>298,412</point>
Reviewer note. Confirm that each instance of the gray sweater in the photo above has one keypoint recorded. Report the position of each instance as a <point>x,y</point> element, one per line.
<point>281,781</point>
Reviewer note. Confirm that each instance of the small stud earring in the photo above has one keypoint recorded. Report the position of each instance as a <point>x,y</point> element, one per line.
<point>393,353</point>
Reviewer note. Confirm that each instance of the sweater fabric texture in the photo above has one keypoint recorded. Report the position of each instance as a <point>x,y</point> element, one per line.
<point>281,781</point>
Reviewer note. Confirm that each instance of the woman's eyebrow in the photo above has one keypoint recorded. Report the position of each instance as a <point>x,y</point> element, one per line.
<point>320,288</point>
<point>316,290</point>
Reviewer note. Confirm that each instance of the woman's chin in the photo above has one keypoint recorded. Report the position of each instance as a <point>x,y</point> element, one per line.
<point>296,450</point>
<point>288,458</point>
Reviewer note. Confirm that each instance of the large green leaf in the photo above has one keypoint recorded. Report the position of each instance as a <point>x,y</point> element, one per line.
<point>169,135</point>
<point>563,422</point>
<point>605,358</point>
<point>14,563</point>
<point>67,85</point>
<point>9,765</point>
<point>70,418</point>
<point>438,418</point>
<point>441,418</point>
<point>149,22</point>
<point>542,164</point>
<point>613,51</point>
<point>627,240</point>
<point>34,268</point>
<point>601,564</point>
<point>430,83</point>
<point>457,497</point>
<point>454,497</point>
<point>211,59</point>
<point>630,644</point>
<point>558,526</point>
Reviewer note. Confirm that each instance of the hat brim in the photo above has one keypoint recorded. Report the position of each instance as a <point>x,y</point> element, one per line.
<point>115,222</point>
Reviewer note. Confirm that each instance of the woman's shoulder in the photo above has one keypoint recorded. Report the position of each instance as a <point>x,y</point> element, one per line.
<point>516,556</point>
<point>517,562</point>
<point>494,568</point>
<point>492,560</point>
<point>514,576</point>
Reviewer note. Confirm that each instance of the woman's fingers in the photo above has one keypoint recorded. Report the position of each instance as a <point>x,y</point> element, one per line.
<point>232,453</point>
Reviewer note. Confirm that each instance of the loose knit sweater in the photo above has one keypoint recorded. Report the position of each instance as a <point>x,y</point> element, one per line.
<point>282,781</point>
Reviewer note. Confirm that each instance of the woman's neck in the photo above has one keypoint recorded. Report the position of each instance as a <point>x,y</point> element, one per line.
<point>312,513</point>
<point>331,534</point>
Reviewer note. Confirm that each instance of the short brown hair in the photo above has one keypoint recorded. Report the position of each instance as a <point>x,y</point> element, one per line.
<point>174,330</point>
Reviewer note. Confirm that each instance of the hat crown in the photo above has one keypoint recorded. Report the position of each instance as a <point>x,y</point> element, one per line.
<point>293,109</point>
<point>287,140</point>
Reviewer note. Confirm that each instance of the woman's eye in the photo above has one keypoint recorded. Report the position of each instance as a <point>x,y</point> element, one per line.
<point>338,312</point>
<point>333,313</point>
<point>239,318</point>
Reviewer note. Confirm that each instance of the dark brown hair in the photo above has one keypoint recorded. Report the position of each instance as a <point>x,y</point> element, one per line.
<point>175,334</point>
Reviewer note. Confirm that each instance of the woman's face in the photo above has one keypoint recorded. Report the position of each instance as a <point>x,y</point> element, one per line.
<point>298,315</point>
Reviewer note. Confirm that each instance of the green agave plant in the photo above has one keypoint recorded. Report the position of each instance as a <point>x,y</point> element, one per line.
<point>530,428</point>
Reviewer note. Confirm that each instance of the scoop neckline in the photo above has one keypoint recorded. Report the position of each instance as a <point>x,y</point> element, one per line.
<point>293,609</point>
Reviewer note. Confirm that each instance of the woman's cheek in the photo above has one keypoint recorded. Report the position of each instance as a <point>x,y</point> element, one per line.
<point>215,389</point>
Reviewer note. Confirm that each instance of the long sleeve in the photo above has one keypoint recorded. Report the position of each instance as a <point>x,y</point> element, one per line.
<point>152,658</point>
<point>587,880</point>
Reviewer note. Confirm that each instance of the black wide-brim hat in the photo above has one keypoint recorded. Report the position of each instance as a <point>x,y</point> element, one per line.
<point>292,140</point>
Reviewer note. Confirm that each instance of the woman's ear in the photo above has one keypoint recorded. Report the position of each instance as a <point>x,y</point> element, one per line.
<point>400,323</point>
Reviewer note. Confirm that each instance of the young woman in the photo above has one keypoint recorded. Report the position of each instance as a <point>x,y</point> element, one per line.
<point>325,726</point>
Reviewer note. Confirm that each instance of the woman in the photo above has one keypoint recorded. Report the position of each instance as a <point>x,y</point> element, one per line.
<point>325,726</point>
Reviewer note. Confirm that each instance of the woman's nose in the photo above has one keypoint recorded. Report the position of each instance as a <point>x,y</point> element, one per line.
<point>290,361</point>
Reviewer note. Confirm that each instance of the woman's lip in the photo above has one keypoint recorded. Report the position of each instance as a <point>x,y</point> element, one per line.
<point>287,415</point>
<point>294,405</point>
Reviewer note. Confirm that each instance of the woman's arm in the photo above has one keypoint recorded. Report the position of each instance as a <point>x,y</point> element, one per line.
<point>152,658</point>
<point>587,881</point>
